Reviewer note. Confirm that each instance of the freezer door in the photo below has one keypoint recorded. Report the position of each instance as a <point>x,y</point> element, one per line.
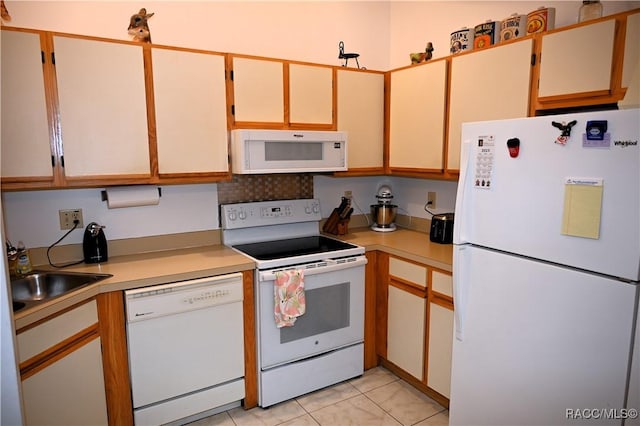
<point>576,203</point>
<point>535,341</point>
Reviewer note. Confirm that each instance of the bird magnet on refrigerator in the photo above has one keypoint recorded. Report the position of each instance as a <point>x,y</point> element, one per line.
<point>514,147</point>
<point>565,131</point>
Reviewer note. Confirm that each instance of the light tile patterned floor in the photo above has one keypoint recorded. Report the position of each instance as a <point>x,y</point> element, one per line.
<point>376,398</point>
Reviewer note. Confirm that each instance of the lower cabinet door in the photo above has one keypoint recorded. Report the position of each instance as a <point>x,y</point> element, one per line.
<point>440,345</point>
<point>406,331</point>
<point>68,392</point>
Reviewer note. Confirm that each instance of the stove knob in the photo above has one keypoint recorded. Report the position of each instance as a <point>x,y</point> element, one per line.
<point>307,210</point>
<point>242,215</point>
<point>232,216</point>
<point>316,208</point>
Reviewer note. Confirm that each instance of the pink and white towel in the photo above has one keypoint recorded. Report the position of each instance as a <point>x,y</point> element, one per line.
<point>288,297</point>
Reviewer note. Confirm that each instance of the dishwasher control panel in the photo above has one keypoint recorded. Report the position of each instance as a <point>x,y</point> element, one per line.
<point>184,296</point>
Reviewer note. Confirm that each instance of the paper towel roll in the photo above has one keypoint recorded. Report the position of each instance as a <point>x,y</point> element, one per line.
<point>132,196</point>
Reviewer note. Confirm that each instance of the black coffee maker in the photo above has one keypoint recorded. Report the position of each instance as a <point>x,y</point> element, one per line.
<point>94,244</point>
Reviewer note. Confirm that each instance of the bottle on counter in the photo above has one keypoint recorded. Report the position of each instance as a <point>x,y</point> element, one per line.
<point>23,262</point>
<point>590,9</point>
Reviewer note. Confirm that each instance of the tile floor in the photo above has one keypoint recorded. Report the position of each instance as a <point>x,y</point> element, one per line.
<point>377,398</point>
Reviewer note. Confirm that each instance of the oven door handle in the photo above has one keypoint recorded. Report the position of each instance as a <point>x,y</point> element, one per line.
<point>329,265</point>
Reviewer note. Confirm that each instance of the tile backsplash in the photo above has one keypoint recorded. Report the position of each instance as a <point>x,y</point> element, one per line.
<point>248,188</point>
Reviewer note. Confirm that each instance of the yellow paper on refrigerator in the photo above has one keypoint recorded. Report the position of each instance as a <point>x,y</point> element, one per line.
<point>582,207</point>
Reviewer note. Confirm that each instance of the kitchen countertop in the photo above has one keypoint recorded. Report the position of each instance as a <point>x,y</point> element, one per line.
<point>142,270</point>
<point>409,244</point>
<point>154,268</point>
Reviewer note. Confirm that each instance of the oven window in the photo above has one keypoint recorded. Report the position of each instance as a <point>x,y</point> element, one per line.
<point>287,151</point>
<point>327,310</point>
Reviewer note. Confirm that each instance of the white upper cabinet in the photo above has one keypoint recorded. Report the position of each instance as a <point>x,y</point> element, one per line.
<point>258,90</point>
<point>190,108</point>
<point>310,94</point>
<point>360,105</point>
<point>490,84</point>
<point>281,94</point>
<point>577,60</point>
<point>417,117</point>
<point>102,103</point>
<point>631,64</point>
<point>26,147</point>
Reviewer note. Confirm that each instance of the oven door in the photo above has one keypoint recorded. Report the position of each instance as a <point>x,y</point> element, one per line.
<point>334,317</point>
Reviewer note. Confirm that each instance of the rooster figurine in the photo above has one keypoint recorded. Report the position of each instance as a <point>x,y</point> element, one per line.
<point>416,58</point>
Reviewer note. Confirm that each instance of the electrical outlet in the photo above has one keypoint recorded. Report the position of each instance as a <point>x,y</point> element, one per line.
<point>431,199</point>
<point>348,194</point>
<point>68,216</point>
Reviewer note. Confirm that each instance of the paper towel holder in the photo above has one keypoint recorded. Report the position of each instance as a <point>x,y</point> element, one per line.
<point>104,197</point>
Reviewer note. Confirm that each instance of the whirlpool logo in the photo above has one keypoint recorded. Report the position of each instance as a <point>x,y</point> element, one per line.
<point>624,144</point>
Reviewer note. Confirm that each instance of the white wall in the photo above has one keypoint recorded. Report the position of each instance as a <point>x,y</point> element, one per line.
<point>410,195</point>
<point>299,30</point>
<point>32,217</point>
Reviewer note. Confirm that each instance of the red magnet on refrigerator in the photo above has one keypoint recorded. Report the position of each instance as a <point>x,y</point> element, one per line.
<point>514,147</point>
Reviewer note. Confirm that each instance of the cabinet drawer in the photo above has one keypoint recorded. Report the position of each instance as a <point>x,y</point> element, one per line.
<point>37,339</point>
<point>442,283</point>
<point>408,271</point>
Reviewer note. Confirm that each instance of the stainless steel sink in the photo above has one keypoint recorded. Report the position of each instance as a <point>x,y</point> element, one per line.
<point>45,285</point>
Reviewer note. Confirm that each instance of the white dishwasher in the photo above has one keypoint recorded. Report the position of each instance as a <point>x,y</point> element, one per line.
<point>186,348</point>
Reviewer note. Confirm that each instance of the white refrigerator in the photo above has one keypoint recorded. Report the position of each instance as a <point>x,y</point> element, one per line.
<point>546,268</point>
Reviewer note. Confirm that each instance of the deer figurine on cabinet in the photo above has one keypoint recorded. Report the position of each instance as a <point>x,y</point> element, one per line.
<point>138,27</point>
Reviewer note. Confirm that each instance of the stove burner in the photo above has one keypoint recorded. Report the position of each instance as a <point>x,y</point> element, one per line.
<point>279,249</point>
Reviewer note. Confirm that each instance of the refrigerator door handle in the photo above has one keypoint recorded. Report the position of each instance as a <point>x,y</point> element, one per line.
<point>461,257</point>
<point>463,215</point>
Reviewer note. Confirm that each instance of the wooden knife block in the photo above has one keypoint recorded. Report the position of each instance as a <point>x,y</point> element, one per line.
<point>335,225</point>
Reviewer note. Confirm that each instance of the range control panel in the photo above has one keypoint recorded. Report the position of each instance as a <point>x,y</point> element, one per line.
<point>262,213</point>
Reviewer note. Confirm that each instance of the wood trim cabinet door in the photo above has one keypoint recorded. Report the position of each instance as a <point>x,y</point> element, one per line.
<point>440,347</point>
<point>440,322</point>
<point>258,92</point>
<point>491,84</point>
<point>417,108</point>
<point>27,154</point>
<point>103,110</point>
<point>631,63</point>
<point>70,391</point>
<point>61,369</point>
<point>190,112</point>
<point>270,93</point>
<point>310,95</point>
<point>407,313</point>
<point>360,112</point>
<point>577,61</point>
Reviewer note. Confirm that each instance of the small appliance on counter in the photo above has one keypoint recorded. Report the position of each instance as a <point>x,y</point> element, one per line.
<point>384,213</point>
<point>94,244</point>
<point>442,228</point>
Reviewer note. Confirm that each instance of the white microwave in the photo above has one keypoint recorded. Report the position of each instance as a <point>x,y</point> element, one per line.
<point>287,151</point>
